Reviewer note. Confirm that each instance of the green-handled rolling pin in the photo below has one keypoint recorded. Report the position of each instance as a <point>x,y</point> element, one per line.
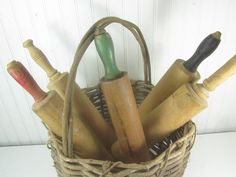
<point>121,104</point>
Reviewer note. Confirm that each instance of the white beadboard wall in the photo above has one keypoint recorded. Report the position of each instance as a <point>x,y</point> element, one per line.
<point>172,29</point>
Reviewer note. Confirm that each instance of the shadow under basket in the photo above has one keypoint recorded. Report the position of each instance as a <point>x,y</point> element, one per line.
<point>169,157</point>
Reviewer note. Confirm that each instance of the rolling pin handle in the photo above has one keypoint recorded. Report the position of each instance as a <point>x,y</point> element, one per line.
<point>205,49</point>
<point>23,77</point>
<point>223,73</point>
<point>40,58</point>
<point>105,49</point>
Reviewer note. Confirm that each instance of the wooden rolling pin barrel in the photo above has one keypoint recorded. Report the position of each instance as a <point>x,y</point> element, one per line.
<point>81,102</point>
<point>49,106</point>
<point>121,104</point>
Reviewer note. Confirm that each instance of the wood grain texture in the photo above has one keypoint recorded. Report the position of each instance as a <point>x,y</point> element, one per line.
<point>176,76</point>
<point>85,141</point>
<point>172,29</point>
<point>24,78</point>
<point>172,113</point>
<point>221,75</point>
<point>125,119</point>
<point>81,103</point>
<point>49,106</point>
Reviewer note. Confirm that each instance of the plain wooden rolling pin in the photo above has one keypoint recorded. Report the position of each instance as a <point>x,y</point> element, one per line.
<point>49,106</point>
<point>179,73</point>
<point>121,104</point>
<point>81,102</point>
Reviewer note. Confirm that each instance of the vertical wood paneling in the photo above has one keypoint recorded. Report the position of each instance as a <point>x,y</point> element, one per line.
<point>4,138</point>
<point>55,26</point>
<point>16,101</point>
<point>86,16</point>
<point>19,113</point>
<point>25,31</point>
<point>131,13</point>
<point>94,58</point>
<point>146,20</point>
<point>11,133</point>
<point>117,32</point>
<point>172,29</point>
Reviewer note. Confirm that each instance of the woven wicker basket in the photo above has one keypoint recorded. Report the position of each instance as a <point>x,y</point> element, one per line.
<point>170,156</point>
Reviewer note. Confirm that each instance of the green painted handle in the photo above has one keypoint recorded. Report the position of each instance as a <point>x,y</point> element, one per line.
<point>105,49</point>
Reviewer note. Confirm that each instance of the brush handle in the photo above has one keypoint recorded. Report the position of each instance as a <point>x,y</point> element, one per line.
<point>206,48</point>
<point>40,58</point>
<point>23,77</point>
<point>223,73</point>
<point>105,49</point>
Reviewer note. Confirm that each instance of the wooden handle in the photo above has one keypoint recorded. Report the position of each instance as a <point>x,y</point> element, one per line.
<point>39,57</point>
<point>206,48</point>
<point>23,77</point>
<point>227,70</point>
<point>105,49</point>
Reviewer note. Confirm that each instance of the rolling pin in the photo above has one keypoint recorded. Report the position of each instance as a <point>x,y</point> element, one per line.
<point>186,102</point>
<point>81,103</point>
<point>49,106</point>
<point>179,73</point>
<point>121,104</point>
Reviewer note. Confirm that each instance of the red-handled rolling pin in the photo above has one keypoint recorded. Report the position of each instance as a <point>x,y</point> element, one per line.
<point>49,106</point>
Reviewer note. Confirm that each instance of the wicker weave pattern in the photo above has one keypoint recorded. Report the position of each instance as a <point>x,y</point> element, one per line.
<point>170,156</point>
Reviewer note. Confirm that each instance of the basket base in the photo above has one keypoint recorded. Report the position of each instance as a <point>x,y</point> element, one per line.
<point>170,159</point>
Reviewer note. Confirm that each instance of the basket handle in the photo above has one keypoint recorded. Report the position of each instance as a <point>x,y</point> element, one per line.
<point>67,121</point>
